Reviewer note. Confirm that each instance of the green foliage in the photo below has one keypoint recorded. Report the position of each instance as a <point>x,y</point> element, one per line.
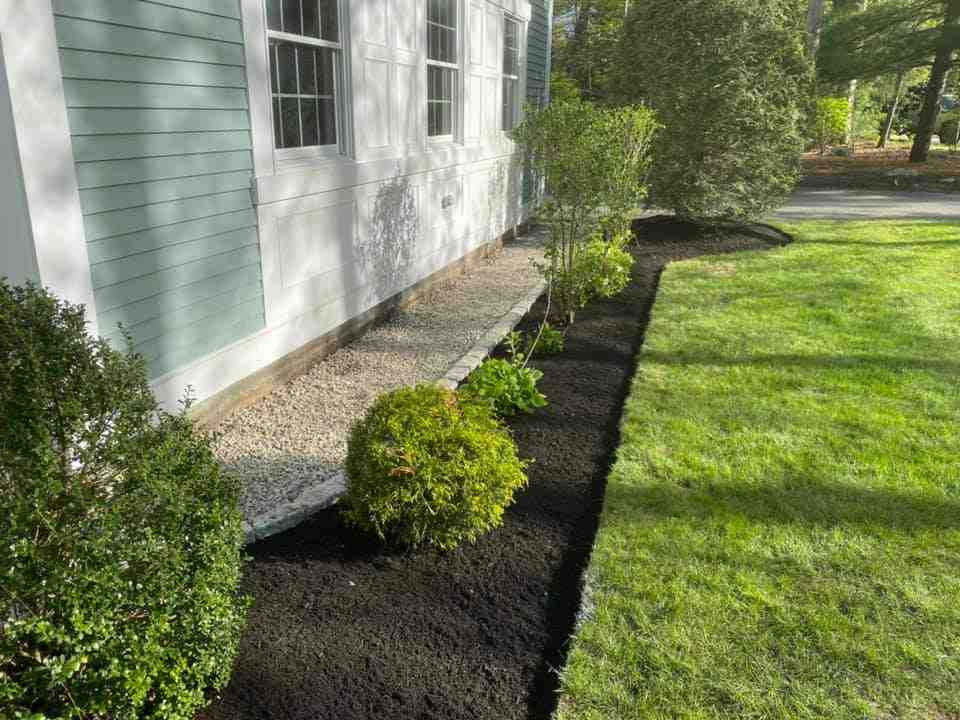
<point>889,36</point>
<point>546,341</point>
<point>426,468</point>
<point>505,386</point>
<point>828,124</point>
<point>563,88</point>
<point>594,162</point>
<point>727,79</point>
<point>120,541</point>
<point>949,125</point>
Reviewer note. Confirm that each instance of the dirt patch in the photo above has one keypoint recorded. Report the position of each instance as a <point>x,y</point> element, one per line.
<point>872,169</point>
<point>341,629</point>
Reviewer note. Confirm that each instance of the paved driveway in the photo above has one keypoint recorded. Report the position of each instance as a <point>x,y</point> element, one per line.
<point>868,204</point>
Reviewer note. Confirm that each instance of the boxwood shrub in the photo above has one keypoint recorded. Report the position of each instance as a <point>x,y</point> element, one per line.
<point>426,468</point>
<point>120,541</point>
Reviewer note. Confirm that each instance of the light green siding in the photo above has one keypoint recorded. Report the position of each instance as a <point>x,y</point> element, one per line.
<point>538,74</point>
<point>538,35</point>
<point>157,104</point>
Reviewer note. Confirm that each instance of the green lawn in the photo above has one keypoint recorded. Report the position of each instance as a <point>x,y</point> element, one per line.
<point>781,532</point>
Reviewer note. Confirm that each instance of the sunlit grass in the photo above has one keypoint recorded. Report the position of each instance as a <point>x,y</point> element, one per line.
<point>781,531</point>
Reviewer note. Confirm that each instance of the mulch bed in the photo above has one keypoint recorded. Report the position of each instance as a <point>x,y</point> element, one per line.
<point>342,629</point>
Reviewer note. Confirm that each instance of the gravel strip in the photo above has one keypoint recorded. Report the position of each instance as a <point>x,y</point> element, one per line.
<point>295,439</point>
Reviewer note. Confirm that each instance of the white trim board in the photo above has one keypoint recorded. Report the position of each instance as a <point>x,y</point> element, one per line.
<point>50,197</point>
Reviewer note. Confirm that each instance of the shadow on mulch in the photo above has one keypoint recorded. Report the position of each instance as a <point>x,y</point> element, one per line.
<point>341,629</point>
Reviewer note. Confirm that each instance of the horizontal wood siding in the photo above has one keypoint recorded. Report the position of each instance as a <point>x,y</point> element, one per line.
<point>538,74</point>
<point>158,110</point>
<point>538,32</point>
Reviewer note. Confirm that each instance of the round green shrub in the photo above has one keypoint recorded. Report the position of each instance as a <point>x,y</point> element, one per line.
<point>425,468</point>
<point>120,541</point>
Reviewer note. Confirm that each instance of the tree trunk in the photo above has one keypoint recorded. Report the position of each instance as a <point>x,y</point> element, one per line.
<point>892,113</point>
<point>814,26</point>
<point>936,86</point>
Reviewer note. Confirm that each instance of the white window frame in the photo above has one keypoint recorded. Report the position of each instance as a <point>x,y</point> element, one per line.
<point>340,149</point>
<point>456,131</point>
<point>519,78</point>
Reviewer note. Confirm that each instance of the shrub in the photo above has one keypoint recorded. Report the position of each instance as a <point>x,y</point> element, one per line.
<point>594,164</point>
<point>949,127</point>
<point>425,467</point>
<point>546,341</point>
<point>120,542</point>
<point>505,387</point>
<point>828,123</point>
<point>727,79</point>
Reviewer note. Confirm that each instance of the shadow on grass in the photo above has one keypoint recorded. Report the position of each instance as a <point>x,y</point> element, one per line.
<point>811,502</point>
<point>892,363</point>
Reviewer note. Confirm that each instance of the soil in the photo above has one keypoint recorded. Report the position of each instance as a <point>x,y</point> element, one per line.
<point>869,169</point>
<point>343,629</point>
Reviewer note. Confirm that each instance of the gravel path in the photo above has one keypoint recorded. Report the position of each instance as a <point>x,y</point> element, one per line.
<point>295,438</point>
<point>869,205</point>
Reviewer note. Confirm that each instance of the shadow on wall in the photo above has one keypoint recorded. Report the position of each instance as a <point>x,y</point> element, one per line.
<point>388,255</point>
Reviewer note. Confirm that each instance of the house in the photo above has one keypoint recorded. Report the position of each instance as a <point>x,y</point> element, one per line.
<point>235,182</point>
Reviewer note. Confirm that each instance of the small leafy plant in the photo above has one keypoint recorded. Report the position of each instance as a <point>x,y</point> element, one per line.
<point>427,468</point>
<point>507,388</point>
<point>546,341</point>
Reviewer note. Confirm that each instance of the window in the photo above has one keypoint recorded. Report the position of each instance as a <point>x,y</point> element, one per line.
<point>305,56</point>
<point>442,69</point>
<point>511,74</point>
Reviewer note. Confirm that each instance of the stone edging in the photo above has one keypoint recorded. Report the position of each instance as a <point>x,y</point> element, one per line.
<point>478,353</point>
<point>319,497</point>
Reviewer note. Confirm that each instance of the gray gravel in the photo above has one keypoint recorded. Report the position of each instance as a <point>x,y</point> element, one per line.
<point>295,438</point>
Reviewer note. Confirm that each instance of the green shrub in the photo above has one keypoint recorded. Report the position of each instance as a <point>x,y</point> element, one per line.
<point>120,542</point>
<point>594,162</point>
<point>828,123</point>
<point>546,341</point>
<point>950,123</point>
<point>424,467</point>
<point>505,387</point>
<point>727,80</point>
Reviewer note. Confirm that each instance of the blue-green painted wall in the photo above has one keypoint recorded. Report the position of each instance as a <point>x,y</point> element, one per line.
<point>538,35</point>
<point>157,104</point>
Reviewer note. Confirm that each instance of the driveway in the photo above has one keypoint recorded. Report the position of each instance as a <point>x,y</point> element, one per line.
<point>869,205</point>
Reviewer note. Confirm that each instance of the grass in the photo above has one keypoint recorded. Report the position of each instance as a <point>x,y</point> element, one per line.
<point>781,530</point>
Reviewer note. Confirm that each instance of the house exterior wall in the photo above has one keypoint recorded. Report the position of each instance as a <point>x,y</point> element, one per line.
<point>221,255</point>
<point>157,106</point>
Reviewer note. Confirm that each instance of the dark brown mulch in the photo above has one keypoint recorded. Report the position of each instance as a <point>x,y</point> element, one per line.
<point>341,629</point>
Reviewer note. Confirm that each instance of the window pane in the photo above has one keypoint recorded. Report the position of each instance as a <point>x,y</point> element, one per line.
<point>277,137</point>
<point>290,122</point>
<point>509,103</point>
<point>328,122</point>
<point>511,48</point>
<point>329,22</point>
<point>273,15</point>
<point>287,68</point>
<point>273,69</point>
<point>311,18</point>
<point>306,59</point>
<point>442,30</point>
<point>325,69</point>
<point>441,89</point>
<point>309,119</point>
<point>291,17</point>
